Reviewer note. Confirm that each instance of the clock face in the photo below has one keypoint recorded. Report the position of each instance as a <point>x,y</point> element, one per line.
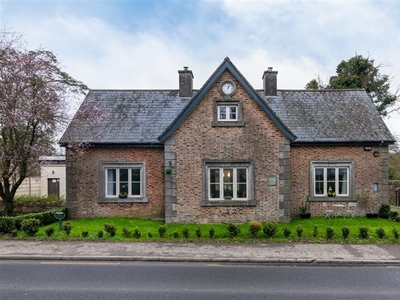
<point>228,88</point>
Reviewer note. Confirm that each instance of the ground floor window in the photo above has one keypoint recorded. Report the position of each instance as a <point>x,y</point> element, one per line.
<point>228,182</point>
<point>331,179</point>
<point>124,181</point>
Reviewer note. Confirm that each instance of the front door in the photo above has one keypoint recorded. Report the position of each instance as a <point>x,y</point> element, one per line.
<point>53,186</point>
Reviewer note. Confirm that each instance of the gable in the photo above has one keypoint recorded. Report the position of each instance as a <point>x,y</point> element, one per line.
<point>226,66</point>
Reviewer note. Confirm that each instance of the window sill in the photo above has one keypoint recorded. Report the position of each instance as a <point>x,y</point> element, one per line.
<point>227,123</point>
<point>124,200</point>
<point>331,199</point>
<point>212,203</point>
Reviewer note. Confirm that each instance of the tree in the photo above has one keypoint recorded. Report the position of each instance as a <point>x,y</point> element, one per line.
<point>360,73</point>
<point>34,92</point>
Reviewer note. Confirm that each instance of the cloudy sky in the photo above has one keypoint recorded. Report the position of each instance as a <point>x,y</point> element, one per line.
<point>132,44</point>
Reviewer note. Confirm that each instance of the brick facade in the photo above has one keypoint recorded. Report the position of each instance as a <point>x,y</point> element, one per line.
<point>196,140</point>
<point>368,170</point>
<point>84,200</point>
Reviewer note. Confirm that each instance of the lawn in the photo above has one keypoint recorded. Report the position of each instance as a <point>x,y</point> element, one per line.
<point>314,230</point>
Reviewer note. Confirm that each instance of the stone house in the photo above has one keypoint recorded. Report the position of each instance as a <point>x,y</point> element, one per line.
<point>225,152</point>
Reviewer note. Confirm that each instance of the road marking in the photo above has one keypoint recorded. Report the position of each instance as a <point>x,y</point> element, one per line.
<point>79,263</point>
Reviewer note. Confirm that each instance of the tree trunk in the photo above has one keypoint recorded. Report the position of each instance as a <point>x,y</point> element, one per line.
<point>8,206</point>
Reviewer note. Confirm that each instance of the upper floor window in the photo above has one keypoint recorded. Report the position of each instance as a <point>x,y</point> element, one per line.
<point>227,113</point>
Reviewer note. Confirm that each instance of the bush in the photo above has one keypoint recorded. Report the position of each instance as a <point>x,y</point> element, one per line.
<point>49,231</point>
<point>329,233</point>
<point>198,232</point>
<point>211,233</point>
<point>315,231</point>
<point>126,233</point>
<point>176,234</point>
<point>398,219</point>
<point>299,231</point>
<point>380,232</point>
<point>85,233</point>
<point>162,230</point>
<point>7,225</point>
<point>150,234</point>
<point>67,227</point>
<point>395,233</point>
<point>270,229</point>
<point>136,233</point>
<point>185,232</point>
<point>345,232</point>
<point>233,230</point>
<point>30,226</point>
<point>393,215</point>
<point>110,229</point>
<point>14,233</point>
<point>254,228</point>
<point>363,232</point>
<point>286,232</point>
<point>100,234</point>
<point>384,211</point>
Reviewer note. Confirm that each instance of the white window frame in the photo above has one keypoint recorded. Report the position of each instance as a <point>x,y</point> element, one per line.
<point>106,195</point>
<point>222,184</point>
<point>228,113</point>
<point>336,165</point>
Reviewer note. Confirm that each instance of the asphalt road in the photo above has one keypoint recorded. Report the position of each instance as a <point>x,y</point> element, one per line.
<point>139,280</point>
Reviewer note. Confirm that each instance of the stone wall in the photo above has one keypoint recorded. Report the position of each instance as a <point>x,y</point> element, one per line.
<point>85,183</point>
<point>197,141</point>
<point>394,185</point>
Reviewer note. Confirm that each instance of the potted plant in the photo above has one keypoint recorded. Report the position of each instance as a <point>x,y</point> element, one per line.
<point>331,193</point>
<point>123,195</point>
<point>168,170</point>
<point>305,211</point>
<point>368,203</point>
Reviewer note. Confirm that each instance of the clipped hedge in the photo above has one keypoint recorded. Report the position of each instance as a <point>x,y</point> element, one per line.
<point>8,224</point>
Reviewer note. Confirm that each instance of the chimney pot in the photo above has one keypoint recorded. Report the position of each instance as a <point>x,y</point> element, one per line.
<point>270,82</point>
<point>185,82</point>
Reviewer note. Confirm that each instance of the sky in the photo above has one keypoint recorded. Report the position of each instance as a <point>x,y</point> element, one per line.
<point>132,44</point>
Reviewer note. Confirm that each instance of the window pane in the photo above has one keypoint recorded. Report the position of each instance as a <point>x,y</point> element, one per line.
<point>319,181</point>
<point>232,115</point>
<point>222,112</point>
<point>135,175</point>
<point>228,175</point>
<point>136,189</point>
<point>331,180</point>
<point>214,191</point>
<point>319,188</point>
<point>123,181</point>
<point>242,190</point>
<point>319,174</point>
<point>241,175</point>
<point>343,186</point>
<point>214,175</point>
<point>111,182</point>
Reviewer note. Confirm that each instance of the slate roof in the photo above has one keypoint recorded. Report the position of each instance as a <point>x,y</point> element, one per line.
<point>323,116</point>
<point>129,116</point>
<point>149,117</point>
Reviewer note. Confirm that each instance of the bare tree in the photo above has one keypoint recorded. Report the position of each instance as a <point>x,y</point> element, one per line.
<point>34,92</point>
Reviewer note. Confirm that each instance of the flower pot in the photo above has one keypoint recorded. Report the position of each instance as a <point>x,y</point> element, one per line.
<point>123,196</point>
<point>305,216</point>
<point>168,170</point>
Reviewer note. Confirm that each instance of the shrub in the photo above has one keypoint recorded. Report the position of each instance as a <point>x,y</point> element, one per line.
<point>136,233</point>
<point>14,233</point>
<point>299,231</point>
<point>286,232</point>
<point>233,230</point>
<point>126,233</point>
<point>150,234</point>
<point>254,228</point>
<point>7,225</point>
<point>329,233</point>
<point>100,234</point>
<point>176,234</point>
<point>162,230</point>
<point>198,232</point>
<point>380,232</point>
<point>211,233</point>
<point>395,233</point>
<point>85,233</point>
<point>30,226</point>
<point>110,229</point>
<point>393,215</point>
<point>67,227</point>
<point>363,232</point>
<point>345,232</point>
<point>270,229</point>
<point>315,231</point>
<point>185,232</point>
<point>49,231</point>
<point>398,219</point>
<point>384,211</point>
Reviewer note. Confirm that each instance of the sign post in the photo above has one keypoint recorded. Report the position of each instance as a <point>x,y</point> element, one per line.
<point>59,215</point>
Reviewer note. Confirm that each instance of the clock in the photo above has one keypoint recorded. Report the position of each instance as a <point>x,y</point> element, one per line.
<point>228,88</point>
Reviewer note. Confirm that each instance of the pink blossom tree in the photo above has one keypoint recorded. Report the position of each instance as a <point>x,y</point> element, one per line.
<point>34,96</point>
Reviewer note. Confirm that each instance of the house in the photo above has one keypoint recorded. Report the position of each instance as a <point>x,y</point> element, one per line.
<point>50,181</point>
<point>225,152</point>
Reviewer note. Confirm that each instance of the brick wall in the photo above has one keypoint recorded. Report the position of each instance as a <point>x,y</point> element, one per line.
<point>196,140</point>
<point>368,170</point>
<point>84,183</point>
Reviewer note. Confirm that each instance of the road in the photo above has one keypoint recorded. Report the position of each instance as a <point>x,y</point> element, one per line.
<point>139,280</point>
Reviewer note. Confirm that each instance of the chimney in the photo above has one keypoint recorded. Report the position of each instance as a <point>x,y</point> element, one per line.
<point>185,82</point>
<point>269,78</point>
